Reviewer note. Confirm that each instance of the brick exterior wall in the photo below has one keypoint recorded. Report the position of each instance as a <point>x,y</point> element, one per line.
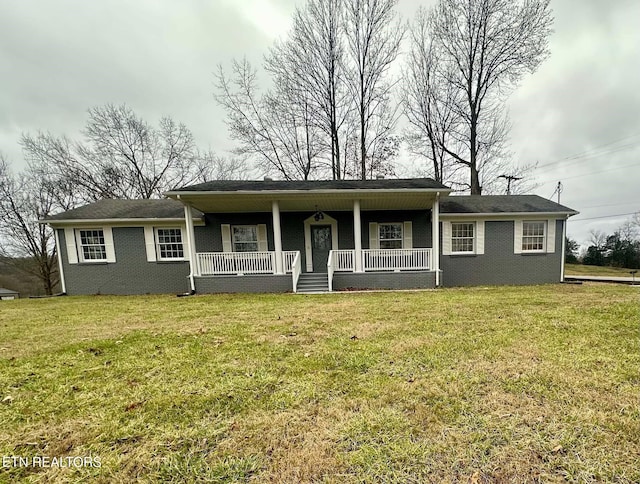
<point>130,274</point>
<point>499,265</point>
<point>384,280</point>
<point>259,283</point>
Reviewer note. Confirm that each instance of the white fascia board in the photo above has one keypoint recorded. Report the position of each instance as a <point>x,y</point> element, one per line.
<point>507,215</point>
<point>329,191</point>
<point>121,222</point>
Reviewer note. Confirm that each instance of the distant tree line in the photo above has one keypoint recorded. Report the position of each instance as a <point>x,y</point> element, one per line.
<point>620,249</point>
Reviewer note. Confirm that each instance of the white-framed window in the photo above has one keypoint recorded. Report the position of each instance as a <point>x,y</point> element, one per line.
<point>91,245</point>
<point>244,238</point>
<point>463,237</point>
<point>533,236</point>
<point>169,243</point>
<point>390,235</point>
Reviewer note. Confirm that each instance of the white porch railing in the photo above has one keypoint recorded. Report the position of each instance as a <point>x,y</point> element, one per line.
<point>296,269</point>
<point>210,263</point>
<point>289,256</point>
<point>379,260</point>
<point>343,260</point>
<point>396,259</point>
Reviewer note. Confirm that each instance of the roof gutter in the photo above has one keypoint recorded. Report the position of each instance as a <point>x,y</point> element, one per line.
<point>506,214</point>
<point>332,191</point>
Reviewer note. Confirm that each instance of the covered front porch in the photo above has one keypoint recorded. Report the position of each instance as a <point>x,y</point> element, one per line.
<point>353,237</point>
<point>338,261</point>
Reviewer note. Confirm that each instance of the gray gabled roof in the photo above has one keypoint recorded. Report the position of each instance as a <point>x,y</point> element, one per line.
<point>124,209</point>
<point>172,209</point>
<point>278,185</point>
<point>501,204</point>
<point>7,292</point>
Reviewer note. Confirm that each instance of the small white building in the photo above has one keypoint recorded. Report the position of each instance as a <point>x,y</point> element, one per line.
<point>8,294</point>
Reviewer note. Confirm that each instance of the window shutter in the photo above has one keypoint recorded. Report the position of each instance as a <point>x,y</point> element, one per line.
<point>150,243</point>
<point>480,237</point>
<point>108,244</point>
<point>517,237</point>
<point>226,238</point>
<point>374,240</point>
<point>407,235</point>
<point>551,236</point>
<point>446,238</point>
<point>262,238</point>
<point>70,241</point>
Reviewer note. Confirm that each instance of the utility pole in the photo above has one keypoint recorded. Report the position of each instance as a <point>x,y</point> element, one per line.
<point>510,178</point>
<point>559,190</point>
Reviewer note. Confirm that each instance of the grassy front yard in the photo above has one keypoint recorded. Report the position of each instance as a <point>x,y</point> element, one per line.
<point>474,385</point>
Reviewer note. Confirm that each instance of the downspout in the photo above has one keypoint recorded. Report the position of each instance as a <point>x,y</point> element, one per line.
<point>564,248</point>
<point>188,216</point>
<point>435,237</point>
<point>60,268</point>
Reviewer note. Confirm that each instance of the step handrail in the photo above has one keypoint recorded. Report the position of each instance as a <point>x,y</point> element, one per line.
<point>330,270</point>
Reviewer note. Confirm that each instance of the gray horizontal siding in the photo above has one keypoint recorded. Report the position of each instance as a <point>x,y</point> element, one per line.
<point>130,274</point>
<point>384,280</point>
<point>252,283</point>
<point>499,265</point>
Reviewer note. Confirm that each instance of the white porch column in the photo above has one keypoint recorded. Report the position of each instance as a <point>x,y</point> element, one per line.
<point>357,237</point>
<point>191,243</point>
<point>435,237</point>
<point>277,236</point>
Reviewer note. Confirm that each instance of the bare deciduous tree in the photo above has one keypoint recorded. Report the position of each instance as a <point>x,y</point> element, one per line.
<point>24,199</point>
<point>373,37</point>
<point>428,102</point>
<point>122,156</point>
<point>483,49</point>
<point>277,128</point>
<point>310,64</point>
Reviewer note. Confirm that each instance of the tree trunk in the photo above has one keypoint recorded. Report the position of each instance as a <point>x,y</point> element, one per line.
<point>363,149</point>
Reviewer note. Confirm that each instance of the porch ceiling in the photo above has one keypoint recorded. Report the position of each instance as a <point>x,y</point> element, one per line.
<point>302,202</point>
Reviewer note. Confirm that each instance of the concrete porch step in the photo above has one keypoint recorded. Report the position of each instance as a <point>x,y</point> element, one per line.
<point>313,282</point>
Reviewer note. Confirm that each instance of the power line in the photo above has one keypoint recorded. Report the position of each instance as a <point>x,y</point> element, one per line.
<point>612,205</point>
<point>548,166</point>
<point>603,216</point>
<point>593,150</point>
<point>599,171</point>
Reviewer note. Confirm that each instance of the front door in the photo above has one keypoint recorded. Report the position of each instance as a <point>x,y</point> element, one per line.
<point>320,246</point>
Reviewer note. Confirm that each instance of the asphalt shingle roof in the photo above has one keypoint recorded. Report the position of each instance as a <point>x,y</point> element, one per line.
<point>500,204</point>
<point>124,209</point>
<point>167,208</point>
<point>7,291</point>
<point>276,185</point>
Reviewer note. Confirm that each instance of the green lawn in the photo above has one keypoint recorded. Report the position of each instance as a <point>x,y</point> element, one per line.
<point>474,385</point>
<point>582,270</point>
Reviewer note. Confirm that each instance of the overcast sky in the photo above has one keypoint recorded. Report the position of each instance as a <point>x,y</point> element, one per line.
<point>60,57</point>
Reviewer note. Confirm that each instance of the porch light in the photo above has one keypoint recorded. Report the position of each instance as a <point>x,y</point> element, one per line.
<point>318,215</point>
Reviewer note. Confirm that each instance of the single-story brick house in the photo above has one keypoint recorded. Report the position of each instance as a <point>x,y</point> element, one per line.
<point>279,236</point>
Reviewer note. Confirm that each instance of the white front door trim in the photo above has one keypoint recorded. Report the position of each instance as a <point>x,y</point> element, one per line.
<point>327,220</point>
